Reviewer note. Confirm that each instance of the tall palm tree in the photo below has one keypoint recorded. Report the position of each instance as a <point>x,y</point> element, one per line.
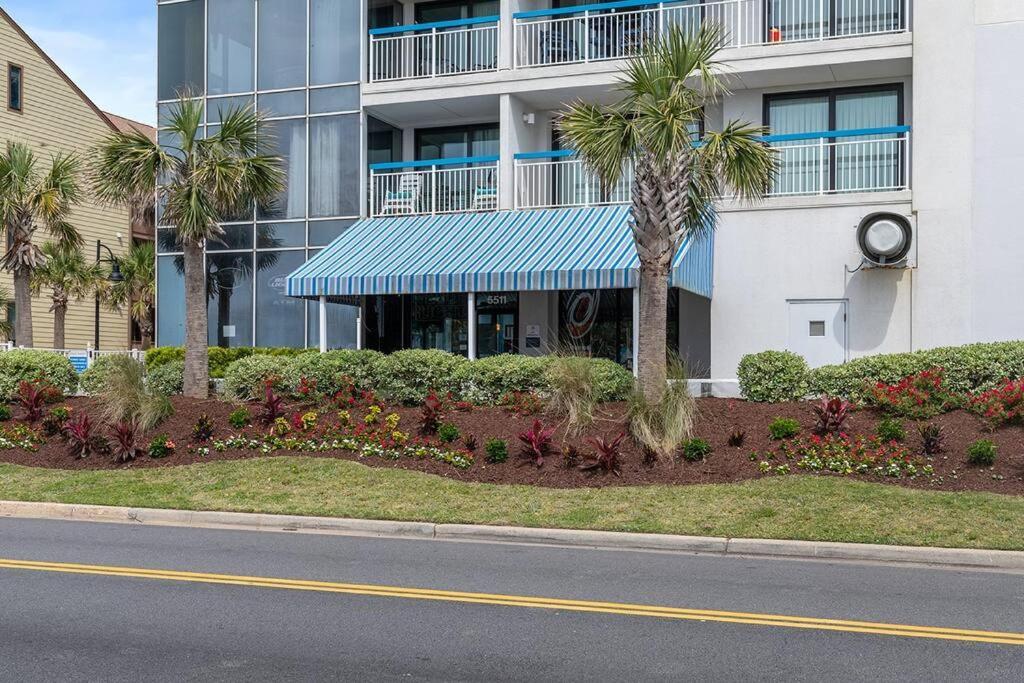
<point>201,181</point>
<point>676,180</point>
<point>137,290</point>
<point>69,277</point>
<point>32,198</point>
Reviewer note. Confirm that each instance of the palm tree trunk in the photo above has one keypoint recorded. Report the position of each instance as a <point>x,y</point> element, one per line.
<point>22,309</point>
<point>652,372</point>
<point>59,314</point>
<point>197,364</point>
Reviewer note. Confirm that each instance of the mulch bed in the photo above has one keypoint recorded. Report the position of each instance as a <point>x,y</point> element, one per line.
<point>717,419</point>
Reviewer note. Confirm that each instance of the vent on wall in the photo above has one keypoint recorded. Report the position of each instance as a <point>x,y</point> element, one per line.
<point>886,240</point>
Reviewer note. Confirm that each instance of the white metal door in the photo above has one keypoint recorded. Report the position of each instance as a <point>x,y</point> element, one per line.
<point>817,331</point>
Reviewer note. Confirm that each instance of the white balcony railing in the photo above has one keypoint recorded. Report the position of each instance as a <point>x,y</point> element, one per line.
<point>831,162</point>
<point>586,33</point>
<point>442,48</point>
<point>436,186</point>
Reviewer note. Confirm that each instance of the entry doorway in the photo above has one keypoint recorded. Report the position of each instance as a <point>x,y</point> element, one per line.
<point>497,323</point>
<point>817,331</point>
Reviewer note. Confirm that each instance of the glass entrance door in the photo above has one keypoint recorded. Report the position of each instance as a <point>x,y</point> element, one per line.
<point>497,323</point>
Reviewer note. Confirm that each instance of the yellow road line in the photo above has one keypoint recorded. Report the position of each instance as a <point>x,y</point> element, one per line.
<point>629,609</point>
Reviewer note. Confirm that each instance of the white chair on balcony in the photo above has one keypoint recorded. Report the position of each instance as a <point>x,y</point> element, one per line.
<point>485,198</point>
<point>406,199</point>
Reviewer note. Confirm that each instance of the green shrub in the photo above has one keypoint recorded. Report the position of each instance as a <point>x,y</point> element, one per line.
<point>696,449</point>
<point>969,368</point>
<point>5,412</point>
<point>982,452</point>
<point>167,379</point>
<point>448,433</point>
<point>612,382</point>
<point>409,376</point>
<point>246,378</point>
<point>487,380</point>
<point>890,429</point>
<point>331,368</point>
<point>773,376</point>
<point>240,417</point>
<point>496,450</point>
<point>220,358</point>
<point>92,379</point>
<point>783,428</point>
<point>161,446</point>
<point>29,364</point>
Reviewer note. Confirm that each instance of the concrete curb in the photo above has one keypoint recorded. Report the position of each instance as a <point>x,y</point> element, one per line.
<point>942,557</point>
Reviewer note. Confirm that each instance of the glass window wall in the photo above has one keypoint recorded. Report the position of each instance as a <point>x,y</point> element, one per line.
<point>230,57</point>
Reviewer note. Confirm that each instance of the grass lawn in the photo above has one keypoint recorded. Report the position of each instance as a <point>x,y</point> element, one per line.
<point>789,507</point>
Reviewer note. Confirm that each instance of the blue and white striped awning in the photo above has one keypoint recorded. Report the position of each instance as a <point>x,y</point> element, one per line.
<point>546,249</point>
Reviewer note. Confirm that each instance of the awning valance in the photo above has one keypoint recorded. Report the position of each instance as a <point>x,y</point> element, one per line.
<point>546,249</point>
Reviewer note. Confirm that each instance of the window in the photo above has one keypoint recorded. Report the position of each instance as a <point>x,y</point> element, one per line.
<point>279,318</point>
<point>858,163</point>
<point>334,42</point>
<point>15,87</point>
<point>170,306</point>
<point>334,143</point>
<point>229,290</point>
<point>11,320</point>
<point>597,321</point>
<point>282,44</point>
<point>289,143</point>
<point>457,141</point>
<point>180,50</point>
<point>230,54</point>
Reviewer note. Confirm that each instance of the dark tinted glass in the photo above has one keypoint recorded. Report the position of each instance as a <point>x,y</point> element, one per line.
<point>279,318</point>
<point>229,287</point>
<point>180,48</point>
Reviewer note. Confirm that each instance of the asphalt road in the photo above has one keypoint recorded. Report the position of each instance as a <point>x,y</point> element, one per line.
<point>56,624</point>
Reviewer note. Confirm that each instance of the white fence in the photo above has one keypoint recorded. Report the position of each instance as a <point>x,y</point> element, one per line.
<point>436,189</point>
<point>81,358</point>
<point>817,167</point>
<point>546,38</point>
<point>433,52</point>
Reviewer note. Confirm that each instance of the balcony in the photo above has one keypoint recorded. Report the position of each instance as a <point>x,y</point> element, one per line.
<point>407,188</point>
<point>614,30</point>
<point>822,163</point>
<point>442,48</point>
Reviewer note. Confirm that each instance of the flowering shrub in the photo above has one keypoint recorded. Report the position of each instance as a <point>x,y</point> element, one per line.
<point>372,415</point>
<point>307,387</point>
<point>20,436</point>
<point>891,429</point>
<point>917,396</point>
<point>1000,406</point>
<point>239,417</point>
<point>841,454</point>
<point>53,424</point>
<point>161,446</point>
<point>522,402</point>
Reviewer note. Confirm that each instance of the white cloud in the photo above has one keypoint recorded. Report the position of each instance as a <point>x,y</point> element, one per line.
<point>119,76</point>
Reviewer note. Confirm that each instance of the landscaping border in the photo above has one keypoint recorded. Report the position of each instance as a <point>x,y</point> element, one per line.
<point>864,552</point>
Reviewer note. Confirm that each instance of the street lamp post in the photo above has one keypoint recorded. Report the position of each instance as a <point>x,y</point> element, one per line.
<point>114,277</point>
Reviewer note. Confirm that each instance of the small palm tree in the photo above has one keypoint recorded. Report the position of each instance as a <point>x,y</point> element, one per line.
<point>32,198</point>
<point>69,277</point>
<point>200,181</point>
<point>136,292</point>
<point>676,181</point>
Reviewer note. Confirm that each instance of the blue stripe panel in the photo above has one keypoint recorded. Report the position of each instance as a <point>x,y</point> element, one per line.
<point>451,161</point>
<point>693,266</point>
<point>545,249</point>
<point>579,9</point>
<point>451,23</point>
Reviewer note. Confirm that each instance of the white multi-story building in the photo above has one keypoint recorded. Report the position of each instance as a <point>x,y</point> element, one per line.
<point>471,229</point>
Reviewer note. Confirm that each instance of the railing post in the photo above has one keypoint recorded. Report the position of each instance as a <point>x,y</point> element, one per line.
<point>586,36</point>
<point>370,75</point>
<point>433,189</point>
<point>821,20</point>
<point>739,22</point>
<point>661,18</point>
<point>433,52</point>
<point>823,162</point>
<point>372,208</point>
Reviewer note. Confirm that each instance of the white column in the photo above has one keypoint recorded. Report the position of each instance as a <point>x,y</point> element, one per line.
<point>636,330</point>
<point>359,324</point>
<point>471,300</point>
<point>323,324</point>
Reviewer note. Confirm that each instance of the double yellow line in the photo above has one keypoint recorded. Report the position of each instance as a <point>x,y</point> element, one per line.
<point>628,609</point>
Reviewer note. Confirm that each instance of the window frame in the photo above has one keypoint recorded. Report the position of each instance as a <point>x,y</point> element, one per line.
<point>832,95</point>
<point>20,109</point>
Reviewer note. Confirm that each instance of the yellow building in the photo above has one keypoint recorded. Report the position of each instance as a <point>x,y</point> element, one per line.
<point>41,107</point>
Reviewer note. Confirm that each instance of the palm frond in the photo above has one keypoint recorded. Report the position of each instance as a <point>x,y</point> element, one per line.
<point>739,158</point>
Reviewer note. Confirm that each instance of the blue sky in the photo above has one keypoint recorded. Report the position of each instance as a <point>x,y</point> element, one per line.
<point>108,47</point>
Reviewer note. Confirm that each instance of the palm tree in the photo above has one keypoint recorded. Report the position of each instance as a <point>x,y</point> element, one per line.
<point>31,198</point>
<point>676,180</point>
<point>201,181</point>
<point>69,277</point>
<point>137,290</point>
